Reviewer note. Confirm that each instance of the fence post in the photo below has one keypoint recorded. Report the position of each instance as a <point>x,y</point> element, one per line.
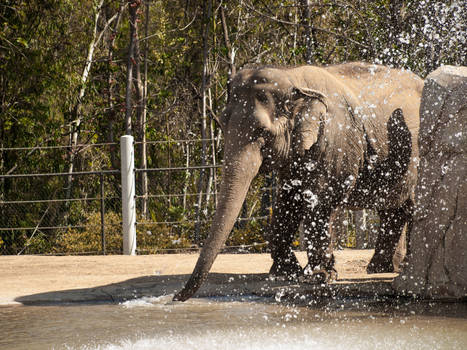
<point>102,213</point>
<point>128,195</point>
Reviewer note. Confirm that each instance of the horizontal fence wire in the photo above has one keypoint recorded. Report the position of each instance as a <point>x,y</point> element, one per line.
<point>83,146</point>
<point>41,228</point>
<point>57,200</point>
<point>80,146</point>
<point>237,248</point>
<point>178,195</point>
<point>147,223</point>
<point>77,173</point>
<point>175,141</point>
<point>143,223</point>
<point>90,199</point>
<point>195,167</point>
<point>172,215</point>
<point>105,172</point>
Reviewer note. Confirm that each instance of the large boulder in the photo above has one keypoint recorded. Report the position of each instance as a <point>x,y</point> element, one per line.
<point>436,266</point>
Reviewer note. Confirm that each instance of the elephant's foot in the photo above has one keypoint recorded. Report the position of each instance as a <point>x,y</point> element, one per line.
<point>380,265</point>
<point>318,275</point>
<point>288,268</point>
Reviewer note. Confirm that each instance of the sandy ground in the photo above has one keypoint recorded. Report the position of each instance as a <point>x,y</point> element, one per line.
<point>51,279</point>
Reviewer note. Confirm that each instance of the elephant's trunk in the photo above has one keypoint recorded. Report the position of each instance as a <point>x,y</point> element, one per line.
<point>239,170</point>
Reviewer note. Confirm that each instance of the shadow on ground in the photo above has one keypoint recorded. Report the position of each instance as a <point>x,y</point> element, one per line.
<point>217,284</point>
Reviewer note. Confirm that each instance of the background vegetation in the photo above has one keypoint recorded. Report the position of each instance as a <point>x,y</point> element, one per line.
<point>81,73</point>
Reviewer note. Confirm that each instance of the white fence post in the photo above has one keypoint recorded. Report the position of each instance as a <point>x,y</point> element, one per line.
<point>128,195</point>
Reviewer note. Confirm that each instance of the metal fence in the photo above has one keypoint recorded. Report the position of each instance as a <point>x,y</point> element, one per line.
<point>80,213</point>
<point>40,213</point>
<point>34,208</point>
<point>35,216</point>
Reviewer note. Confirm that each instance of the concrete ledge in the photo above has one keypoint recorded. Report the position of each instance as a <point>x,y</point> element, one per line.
<point>31,280</point>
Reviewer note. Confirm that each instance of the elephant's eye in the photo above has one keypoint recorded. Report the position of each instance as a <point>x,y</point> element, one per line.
<point>262,97</point>
<point>258,132</point>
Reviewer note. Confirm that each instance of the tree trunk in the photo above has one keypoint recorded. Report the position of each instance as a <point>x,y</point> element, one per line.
<point>228,45</point>
<point>142,116</point>
<point>187,176</point>
<point>361,229</point>
<point>111,79</point>
<point>131,62</point>
<point>169,162</point>
<point>2,164</point>
<point>76,122</point>
<point>308,35</point>
<point>212,171</point>
<point>204,83</point>
<point>214,162</point>
<point>337,226</point>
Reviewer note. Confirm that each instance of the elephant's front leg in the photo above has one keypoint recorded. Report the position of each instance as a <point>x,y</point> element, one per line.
<point>320,267</point>
<point>286,218</point>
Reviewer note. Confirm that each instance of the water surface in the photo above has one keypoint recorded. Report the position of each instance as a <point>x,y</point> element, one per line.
<point>222,323</point>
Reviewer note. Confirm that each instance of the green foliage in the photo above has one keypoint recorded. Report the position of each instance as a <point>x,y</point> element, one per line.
<point>151,237</point>
<point>39,243</point>
<point>155,238</point>
<point>89,239</point>
<point>350,240</point>
<point>248,237</point>
<point>43,52</point>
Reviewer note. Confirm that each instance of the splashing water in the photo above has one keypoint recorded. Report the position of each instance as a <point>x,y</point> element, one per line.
<point>232,323</point>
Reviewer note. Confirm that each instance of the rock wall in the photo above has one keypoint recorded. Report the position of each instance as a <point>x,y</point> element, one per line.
<point>436,266</point>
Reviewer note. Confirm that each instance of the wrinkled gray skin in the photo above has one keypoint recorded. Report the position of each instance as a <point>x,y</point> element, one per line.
<point>343,135</point>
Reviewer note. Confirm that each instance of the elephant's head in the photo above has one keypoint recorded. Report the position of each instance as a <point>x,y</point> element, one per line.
<point>267,118</point>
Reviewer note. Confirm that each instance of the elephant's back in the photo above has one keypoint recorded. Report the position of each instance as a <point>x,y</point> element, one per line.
<point>379,91</point>
<point>372,79</point>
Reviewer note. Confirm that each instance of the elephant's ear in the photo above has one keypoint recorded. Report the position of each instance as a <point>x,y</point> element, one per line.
<point>344,136</point>
<point>299,92</point>
<point>309,112</point>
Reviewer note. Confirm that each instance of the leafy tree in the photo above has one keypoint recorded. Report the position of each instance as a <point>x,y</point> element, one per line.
<point>63,70</point>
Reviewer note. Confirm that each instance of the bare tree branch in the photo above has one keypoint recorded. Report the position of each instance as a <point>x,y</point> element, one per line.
<point>322,30</point>
<point>230,49</point>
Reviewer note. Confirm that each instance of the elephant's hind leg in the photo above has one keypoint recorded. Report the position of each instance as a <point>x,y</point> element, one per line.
<point>284,225</point>
<point>392,223</point>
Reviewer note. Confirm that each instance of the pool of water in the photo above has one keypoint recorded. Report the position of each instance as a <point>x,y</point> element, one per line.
<point>246,323</point>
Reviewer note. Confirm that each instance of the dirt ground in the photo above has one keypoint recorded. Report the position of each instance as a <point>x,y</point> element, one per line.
<point>51,279</point>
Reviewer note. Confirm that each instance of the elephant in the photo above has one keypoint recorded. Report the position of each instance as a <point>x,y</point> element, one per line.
<point>337,136</point>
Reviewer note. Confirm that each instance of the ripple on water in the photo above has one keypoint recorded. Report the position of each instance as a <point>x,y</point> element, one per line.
<point>147,301</point>
<point>284,337</point>
<point>232,323</point>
